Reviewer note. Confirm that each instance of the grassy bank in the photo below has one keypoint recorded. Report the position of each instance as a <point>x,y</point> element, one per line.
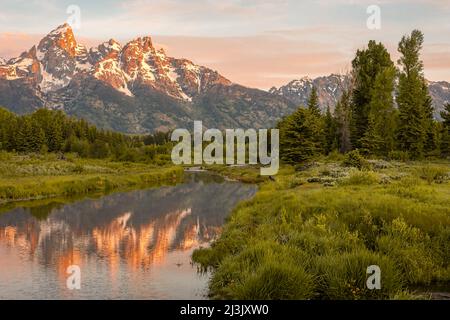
<point>312,233</point>
<point>27,177</point>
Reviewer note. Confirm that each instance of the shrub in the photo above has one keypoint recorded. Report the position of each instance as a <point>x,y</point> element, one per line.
<point>354,159</point>
<point>433,173</point>
<point>358,177</point>
<point>343,276</point>
<point>256,273</point>
<point>277,281</point>
<point>335,156</point>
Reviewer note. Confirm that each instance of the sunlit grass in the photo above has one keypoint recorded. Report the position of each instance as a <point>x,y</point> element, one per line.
<point>314,240</point>
<point>37,177</point>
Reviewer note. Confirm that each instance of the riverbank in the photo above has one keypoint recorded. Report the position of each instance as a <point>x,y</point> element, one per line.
<point>31,177</point>
<point>327,223</point>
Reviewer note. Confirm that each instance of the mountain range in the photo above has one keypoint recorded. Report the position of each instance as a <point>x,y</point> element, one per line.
<point>135,88</point>
<point>330,88</point>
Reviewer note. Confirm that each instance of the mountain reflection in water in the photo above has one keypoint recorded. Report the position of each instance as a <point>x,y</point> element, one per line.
<point>133,245</point>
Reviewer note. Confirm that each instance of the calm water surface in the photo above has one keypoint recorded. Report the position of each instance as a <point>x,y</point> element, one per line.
<point>131,245</point>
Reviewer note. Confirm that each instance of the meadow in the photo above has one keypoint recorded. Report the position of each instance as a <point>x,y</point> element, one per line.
<point>26,177</point>
<point>312,232</point>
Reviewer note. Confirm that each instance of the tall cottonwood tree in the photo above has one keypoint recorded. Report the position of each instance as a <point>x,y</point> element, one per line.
<point>379,138</point>
<point>370,66</point>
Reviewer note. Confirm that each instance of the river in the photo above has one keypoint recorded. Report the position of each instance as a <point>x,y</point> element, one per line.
<point>126,245</point>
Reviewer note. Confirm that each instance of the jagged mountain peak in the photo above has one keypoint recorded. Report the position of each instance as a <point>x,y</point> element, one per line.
<point>59,58</point>
<point>130,87</point>
<point>62,37</point>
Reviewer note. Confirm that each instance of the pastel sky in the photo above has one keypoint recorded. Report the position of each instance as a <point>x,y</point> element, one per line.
<point>258,43</point>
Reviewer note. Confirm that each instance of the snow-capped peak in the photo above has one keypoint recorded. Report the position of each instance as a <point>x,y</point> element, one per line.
<point>58,59</point>
<point>112,45</point>
<point>61,38</point>
<point>61,29</point>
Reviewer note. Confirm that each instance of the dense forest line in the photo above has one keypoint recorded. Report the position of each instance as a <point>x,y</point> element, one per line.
<point>52,131</point>
<point>387,112</point>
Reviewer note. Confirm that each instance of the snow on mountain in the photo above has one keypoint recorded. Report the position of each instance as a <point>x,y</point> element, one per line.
<point>330,88</point>
<point>130,87</point>
<point>59,58</point>
<point>440,92</point>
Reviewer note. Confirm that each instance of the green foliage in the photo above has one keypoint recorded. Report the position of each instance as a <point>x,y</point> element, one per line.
<point>354,159</point>
<point>301,136</point>
<point>373,72</point>
<point>366,118</point>
<point>445,139</point>
<point>313,102</point>
<point>343,118</point>
<point>331,140</point>
<point>379,137</point>
<point>52,131</point>
<point>399,155</point>
<point>432,173</point>
<point>341,275</point>
<point>41,176</point>
<point>325,238</point>
<point>412,97</point>
<point>358,177</point>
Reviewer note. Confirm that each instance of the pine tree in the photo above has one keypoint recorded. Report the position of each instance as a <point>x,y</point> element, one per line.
<point>330,132</point>
<point>7,119</point>
<point>24,135</point>
<point>445,136</point>
<point>431,139</point>
<point>411,96</point>
<point>343,116</point>
<point>37,139</point>
<point>298,136</point>
<point>313,102</point>
<point>55,138</point>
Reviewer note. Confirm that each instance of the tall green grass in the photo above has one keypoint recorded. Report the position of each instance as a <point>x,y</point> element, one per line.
<point>38,177</point>
<point>307,241</point>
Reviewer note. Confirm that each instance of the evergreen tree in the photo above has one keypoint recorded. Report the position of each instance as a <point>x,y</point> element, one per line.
<point>445,136</point>
<point>330,132</point>
<point>412,97</point>
<point>298,136</point>
<point>367,66</point>
<point>431,139</point>
<point>55,138</point>
<point>313,102</point>
<point>23,135</point>
<point>37,139</point>
<point>7,119</point>
<point>343,116</point>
